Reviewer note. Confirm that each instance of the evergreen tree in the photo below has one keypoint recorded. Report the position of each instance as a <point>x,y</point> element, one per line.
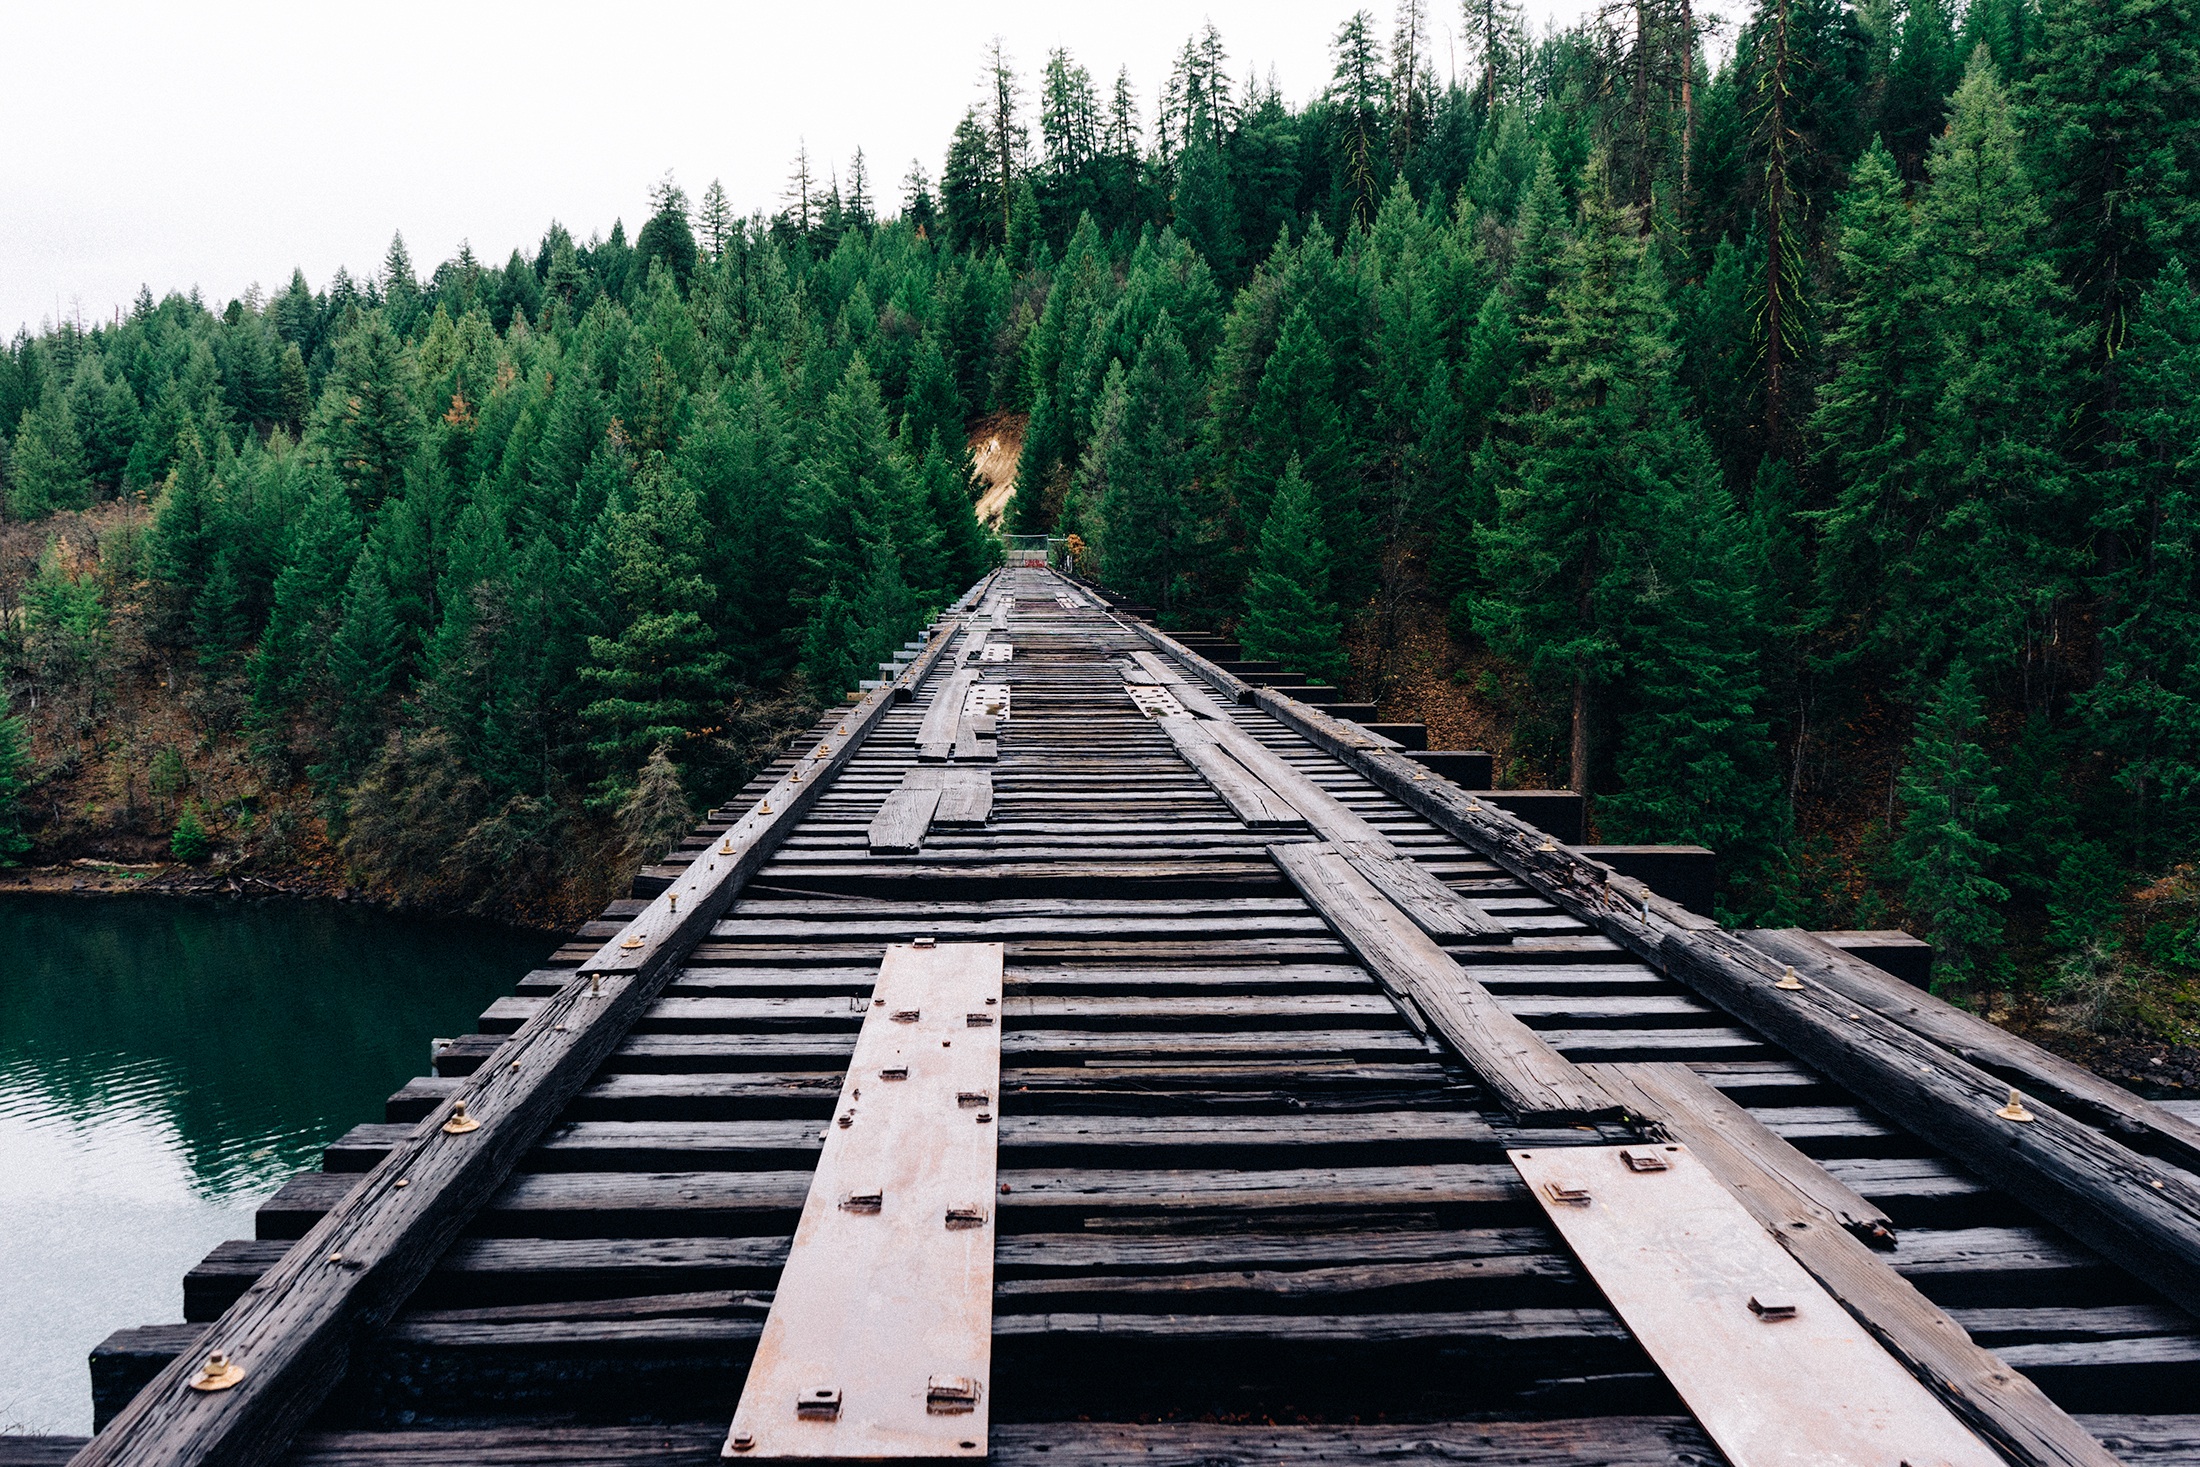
<point>666,235</point>
<point>660,675</point>
<point>2146,707</point>
<point>16,772</point>
<point>1142,467</point>
<point>220,627</point>
<point>185,534</point>
<point>1296,416</point>
<point>365,658</point>
<point>1602,441</point>
<point>1945,848</point>
<point>47,469</point>
<point>369,422</point>
<point>2114,137</point>
<point>1288,614</point>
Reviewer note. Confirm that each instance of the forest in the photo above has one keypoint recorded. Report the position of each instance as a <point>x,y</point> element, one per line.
<point>1788,427</point>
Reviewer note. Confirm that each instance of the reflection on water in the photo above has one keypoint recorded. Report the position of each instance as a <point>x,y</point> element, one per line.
<point>163,1065</point>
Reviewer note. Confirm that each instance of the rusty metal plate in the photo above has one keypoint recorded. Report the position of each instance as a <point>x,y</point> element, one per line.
<point>1154,702</point>
<point>1774,1368</point>
<point>988,700</point>
<point>880,1339</point>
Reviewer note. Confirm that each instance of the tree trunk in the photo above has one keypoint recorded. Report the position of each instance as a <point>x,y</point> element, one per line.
<point>1578,778</point>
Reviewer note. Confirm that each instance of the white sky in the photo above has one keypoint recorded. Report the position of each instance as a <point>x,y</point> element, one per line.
<point>169,143</point>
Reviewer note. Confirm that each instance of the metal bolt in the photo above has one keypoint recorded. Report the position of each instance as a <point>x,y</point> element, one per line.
<point>1789,982</point>
<point>744,1442</point>
<point>2014,1110</point>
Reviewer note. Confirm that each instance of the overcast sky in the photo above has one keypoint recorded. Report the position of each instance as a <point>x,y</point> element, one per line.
<point>176,144</point>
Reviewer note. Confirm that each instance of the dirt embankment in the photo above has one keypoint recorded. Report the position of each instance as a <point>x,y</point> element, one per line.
<point>996,444</point>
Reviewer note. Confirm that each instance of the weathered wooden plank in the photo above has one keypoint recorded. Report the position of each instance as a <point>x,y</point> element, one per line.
<point>1434,907</point>
<point>2140,1213</point>
<point>2144,1216</point>
<point>1247,797</point>
<point>1777,1373</point>
<point>966,797</point>
<point>942,716</point>
<point>1817,1220</point>
<point>1330,817</point>
<point>1674,1100</point>
<point>879,1342</point>
<point>1531,1079</point>
<point>2138,1122</point>
<point>293,1332</point>
<point>898,828</point>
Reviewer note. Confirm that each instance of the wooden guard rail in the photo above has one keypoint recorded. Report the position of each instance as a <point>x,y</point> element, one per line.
<point>2101,1191</point>
<point>293,1331</point>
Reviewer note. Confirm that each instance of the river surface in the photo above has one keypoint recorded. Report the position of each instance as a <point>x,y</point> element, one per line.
<point>164,1065</point>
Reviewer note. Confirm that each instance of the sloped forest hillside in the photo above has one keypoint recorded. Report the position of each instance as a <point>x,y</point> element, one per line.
<point>1783,430</point>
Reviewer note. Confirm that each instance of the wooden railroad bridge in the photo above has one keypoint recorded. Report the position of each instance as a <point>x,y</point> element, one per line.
<point>1291,1102</point>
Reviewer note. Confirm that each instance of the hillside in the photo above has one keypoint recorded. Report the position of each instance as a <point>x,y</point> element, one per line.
<point>1801,471</point>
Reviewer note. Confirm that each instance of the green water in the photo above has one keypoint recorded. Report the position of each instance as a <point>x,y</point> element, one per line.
<point>164,1065</point>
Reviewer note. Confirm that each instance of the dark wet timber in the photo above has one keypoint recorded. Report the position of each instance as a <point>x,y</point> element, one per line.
<point>1255,1201</point>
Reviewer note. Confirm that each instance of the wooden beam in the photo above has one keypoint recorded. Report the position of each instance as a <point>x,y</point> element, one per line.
<point>293,1332</point>
<point>1531,1080</point>
<point>1814,1217</point>
<point>2141,1214</point>
<point>943,716</point>
<point>966,796</point>
<point>1248,798</point>
<point>903,817</point>
<point>1677,1102</point>
<point>2144,1217</point>
<point>1434,907</point>
<point>2137,1122</point>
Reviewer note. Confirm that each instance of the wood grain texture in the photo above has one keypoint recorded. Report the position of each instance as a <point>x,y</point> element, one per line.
<point>1250,800</point>
<point>2139,1123</point>
<point>903,817</point>
<point>1434,907</point>
<point>1527,1076</point>
<point>1814,1217</point>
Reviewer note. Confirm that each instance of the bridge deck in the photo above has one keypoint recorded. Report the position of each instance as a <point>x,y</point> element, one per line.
<point>1236,1186</point>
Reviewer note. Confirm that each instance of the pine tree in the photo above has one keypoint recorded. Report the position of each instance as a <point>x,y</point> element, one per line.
<point>2146,707</point>
<point>666,234</point>
<point>220,624</point>
<point>369,423</point>
<point>401,294</point>
<point>716,220</point>
<point>47,469</point>
<point>2114,139</point>
<point>1873,416</point>
<point>660,676</point>
<point>16,772</point>
<point>1696,762</point>
<point>287,667</point>
<point>1602,439</point>
<point>1296,416</point>
<point>185,534</point>
<point>855,491</point>
<point>1993,451</point>
<point>1945,847</point>
<point>1288,614</point>
<point>1142,465</point>
<point>365,659</point>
